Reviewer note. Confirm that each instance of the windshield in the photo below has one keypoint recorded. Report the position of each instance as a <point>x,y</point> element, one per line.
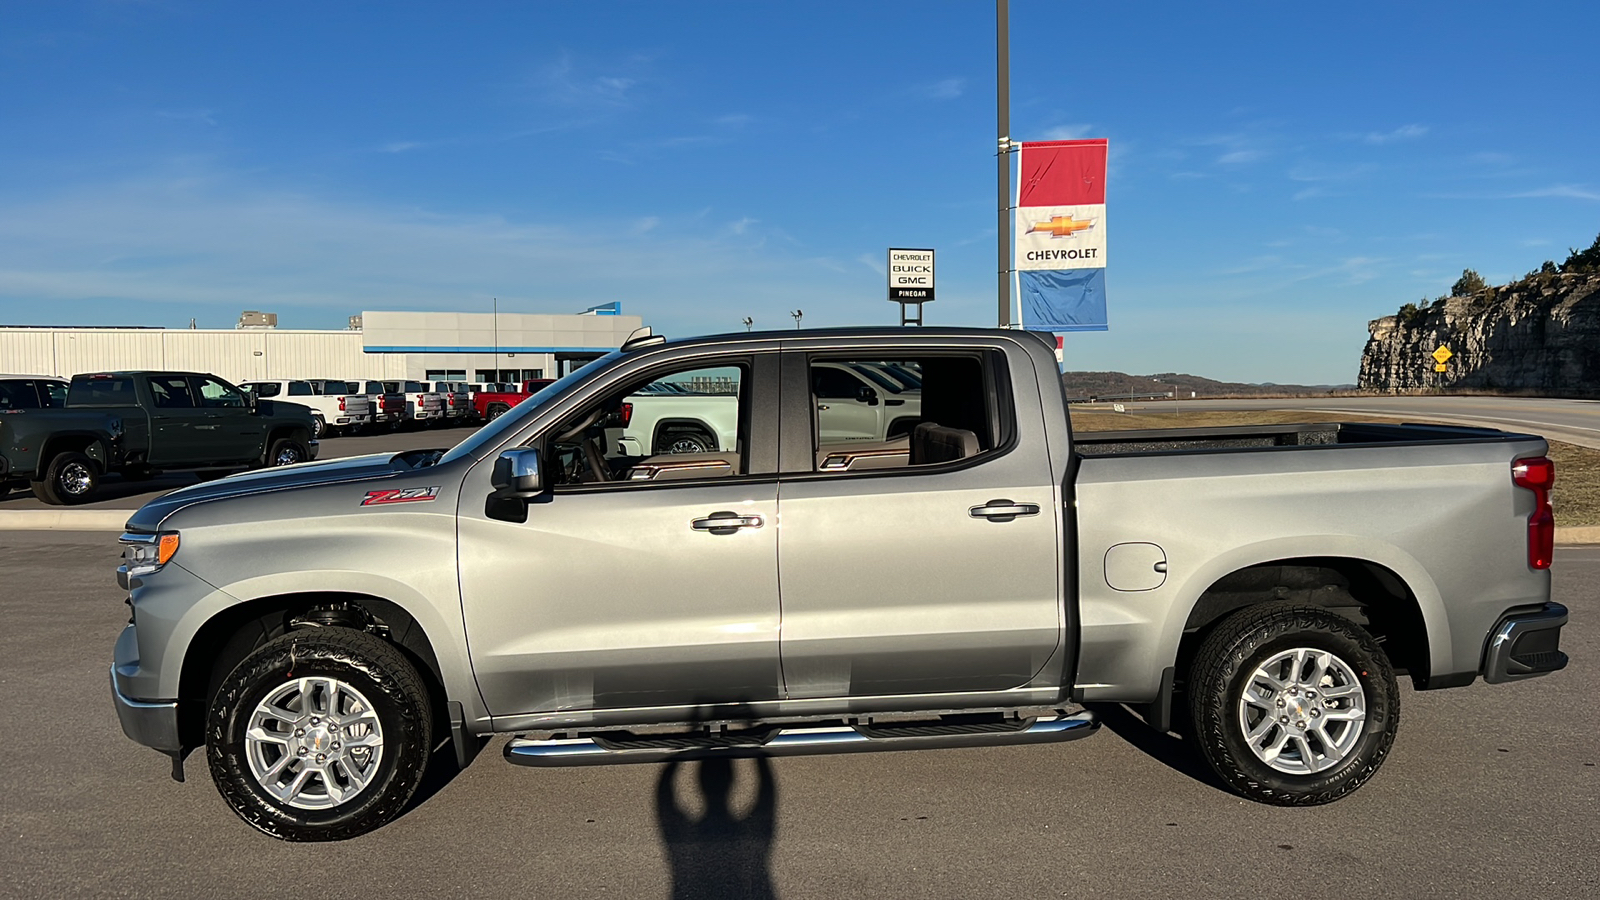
<point>495,431</point>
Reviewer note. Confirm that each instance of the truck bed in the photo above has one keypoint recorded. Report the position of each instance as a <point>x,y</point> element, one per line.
<point>1255,437</point>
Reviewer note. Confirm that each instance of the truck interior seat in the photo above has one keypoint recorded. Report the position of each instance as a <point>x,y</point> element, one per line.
<point>932,443</point>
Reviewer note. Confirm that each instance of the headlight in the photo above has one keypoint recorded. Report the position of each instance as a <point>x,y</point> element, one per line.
<point>144,554</point>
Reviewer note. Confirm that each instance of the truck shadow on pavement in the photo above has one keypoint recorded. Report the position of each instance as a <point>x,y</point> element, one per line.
<point>1174,752</point>
<point>719,852</point>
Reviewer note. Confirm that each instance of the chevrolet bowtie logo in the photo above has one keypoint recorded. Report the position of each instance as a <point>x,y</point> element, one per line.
<point>1062,226</point>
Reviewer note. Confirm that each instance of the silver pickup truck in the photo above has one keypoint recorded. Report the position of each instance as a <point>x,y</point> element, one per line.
<point>319,628</point>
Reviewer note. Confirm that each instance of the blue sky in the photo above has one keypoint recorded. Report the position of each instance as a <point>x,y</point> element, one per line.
<point>1280,173</point>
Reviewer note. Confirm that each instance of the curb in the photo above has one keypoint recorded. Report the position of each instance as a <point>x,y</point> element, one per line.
<point>64,519</point>
<point>1578,534</point>
<point>115,519</point>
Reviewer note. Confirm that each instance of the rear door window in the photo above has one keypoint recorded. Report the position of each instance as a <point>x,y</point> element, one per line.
<point>300,389</point>
<point>102,390</point>
<point>171,392</point>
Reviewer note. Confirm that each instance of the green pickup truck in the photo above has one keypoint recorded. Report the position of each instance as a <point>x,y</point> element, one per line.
<point>138,423</point>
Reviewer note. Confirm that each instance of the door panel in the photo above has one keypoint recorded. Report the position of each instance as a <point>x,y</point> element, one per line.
<point>612,599</point>
<point>897,582</point>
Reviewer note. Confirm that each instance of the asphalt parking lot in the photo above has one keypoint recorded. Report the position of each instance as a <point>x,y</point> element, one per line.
<point>1490,791</point>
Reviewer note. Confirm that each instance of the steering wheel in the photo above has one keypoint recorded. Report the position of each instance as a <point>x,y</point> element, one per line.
<point>586,444</point>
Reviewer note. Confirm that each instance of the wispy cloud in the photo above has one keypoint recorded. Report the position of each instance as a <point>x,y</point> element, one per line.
<point>1311,193</point>
<point>207,240</point>
<point>944,89</point>
<point>1072,132</point>
<point>399,146</point>
<point>567,83</point>
<point>1575,191</point>
<point>875,263</point>
<point>1403,133</point>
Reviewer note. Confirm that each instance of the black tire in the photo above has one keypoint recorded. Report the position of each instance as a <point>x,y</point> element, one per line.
<point>71,478</point>
<point>1224,667</point>
<point>282,449</point>
<point>373,667</point>
<point>319,427</point>
<point>496,410</point>
<point>686,442</point>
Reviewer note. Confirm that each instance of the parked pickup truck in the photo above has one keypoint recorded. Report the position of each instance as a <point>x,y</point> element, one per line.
<point>137,423</point>
<point>388,407</point>
<point>319,629</point>
<point>423,404</point>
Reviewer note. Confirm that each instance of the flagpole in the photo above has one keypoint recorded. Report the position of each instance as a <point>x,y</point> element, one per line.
<point>1003,154</point>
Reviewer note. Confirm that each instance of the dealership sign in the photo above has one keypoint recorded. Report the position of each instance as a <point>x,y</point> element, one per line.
<point>1061,235</point>
<point>910,276</point>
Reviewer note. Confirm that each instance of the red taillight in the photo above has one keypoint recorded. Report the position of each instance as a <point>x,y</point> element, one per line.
<point>1538,475</point>
<point>341,404</point>
<point>627,414</point>
<point>452,399</point>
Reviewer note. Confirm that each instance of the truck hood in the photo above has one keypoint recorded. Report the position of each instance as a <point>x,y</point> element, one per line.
<point>333,471</point>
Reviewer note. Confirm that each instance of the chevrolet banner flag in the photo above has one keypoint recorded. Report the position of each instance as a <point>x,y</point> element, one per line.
<point>1061,235</point>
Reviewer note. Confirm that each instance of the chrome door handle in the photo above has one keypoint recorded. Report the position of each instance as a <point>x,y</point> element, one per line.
<point>725,522</point>
<point>821,406</point>
<point>1003,510</point>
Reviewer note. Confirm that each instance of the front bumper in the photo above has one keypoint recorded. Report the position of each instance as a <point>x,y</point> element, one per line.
<point>1525,645</point>
<point>151,723</point>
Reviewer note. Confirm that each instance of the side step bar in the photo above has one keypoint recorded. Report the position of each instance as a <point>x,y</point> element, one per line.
<point>798,740</point>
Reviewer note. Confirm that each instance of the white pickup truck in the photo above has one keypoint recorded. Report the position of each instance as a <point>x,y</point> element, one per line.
<point>335,405</point>
<point>876,403</point>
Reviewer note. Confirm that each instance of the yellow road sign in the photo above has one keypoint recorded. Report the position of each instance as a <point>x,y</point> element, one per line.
<point>1439,368</point>
<point>1442,355</point>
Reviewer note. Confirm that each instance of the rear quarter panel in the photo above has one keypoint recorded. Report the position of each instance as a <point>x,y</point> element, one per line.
<point>1445,518</point>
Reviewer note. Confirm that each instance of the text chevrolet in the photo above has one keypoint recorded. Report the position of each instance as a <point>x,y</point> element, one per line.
<point>319,628</point>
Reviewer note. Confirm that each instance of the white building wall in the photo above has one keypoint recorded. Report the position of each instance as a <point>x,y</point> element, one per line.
<point>393,345</point>
<point>27,351</point>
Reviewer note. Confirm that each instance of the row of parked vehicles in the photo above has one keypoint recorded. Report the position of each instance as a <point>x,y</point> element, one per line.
<point>60,437</point>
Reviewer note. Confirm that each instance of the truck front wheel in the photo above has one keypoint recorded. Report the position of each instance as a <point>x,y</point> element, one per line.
<point>1293,705</point>
<point>320,735</point>
<point>70,478</point>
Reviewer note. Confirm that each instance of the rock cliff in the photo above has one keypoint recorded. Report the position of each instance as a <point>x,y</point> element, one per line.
<point>1540,335</point>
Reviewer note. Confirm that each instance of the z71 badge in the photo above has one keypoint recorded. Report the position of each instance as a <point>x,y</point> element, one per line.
<point>401,495</point>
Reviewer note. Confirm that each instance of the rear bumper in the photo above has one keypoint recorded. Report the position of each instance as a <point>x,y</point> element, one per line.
<point>1525,645</point>
<point>153,724</point>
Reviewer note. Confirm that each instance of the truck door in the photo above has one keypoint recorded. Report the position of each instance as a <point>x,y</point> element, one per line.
<point>178,426</point>
<point>942,574</point>
<point>630,587</point>
<point>228,429</point>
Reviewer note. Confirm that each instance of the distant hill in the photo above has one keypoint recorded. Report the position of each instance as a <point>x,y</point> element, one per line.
<point>1104,384</point>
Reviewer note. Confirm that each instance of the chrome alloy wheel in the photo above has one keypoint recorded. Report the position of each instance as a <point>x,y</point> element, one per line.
<point>75,479</point>
<point>1302,711</point>
<point>314,743</point>
<point>288,455</point>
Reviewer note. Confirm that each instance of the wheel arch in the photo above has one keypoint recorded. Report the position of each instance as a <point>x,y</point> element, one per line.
<point>665,426</point>
<point>232,633</point>
<point>1387,592</point>
<point>88,443</point>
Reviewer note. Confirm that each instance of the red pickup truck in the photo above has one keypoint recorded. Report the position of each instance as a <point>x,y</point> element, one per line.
<point>497,399</point>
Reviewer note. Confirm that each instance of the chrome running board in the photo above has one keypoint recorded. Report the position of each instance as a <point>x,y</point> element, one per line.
<point>797,740</point>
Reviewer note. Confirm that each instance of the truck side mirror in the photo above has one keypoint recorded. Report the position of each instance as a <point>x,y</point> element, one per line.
<point>867,395</point>
<point>516,474</point>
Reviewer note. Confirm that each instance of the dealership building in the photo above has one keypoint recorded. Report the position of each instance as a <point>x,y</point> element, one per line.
<point>425,346</point>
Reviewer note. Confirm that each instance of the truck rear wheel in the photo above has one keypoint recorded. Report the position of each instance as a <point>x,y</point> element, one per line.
<point>1292,705</point>
<point>69,479</point>
<point>320,735</point>
<point>496,410</point>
